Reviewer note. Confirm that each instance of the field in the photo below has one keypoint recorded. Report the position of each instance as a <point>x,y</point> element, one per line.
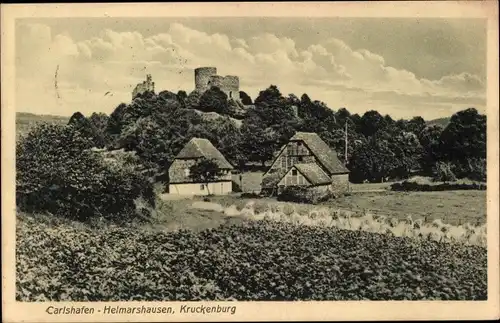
<point>247,260</point>
<point>453,207</point>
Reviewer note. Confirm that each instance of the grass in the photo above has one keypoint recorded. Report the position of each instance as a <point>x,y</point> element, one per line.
<point>452,207</point>
<point>250,181</point>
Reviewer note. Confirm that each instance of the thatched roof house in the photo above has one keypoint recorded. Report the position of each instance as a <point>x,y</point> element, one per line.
<point>200,147</point>
<point>306,160</point>
<point>326,156</point>
<point>179,171</point>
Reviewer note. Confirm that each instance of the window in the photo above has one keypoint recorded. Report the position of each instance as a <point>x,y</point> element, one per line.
<point>186,172</point>
<point>202,187</point>
<point>283,162</point>
<point>300,158</point>
<point>230,94</point>
<point>294,172</point>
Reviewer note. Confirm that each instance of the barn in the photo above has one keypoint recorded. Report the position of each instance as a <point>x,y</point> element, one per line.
<point>182,184</point>
<point>306,160</point>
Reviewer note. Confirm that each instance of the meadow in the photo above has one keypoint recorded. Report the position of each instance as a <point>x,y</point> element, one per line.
<point>453,207</point>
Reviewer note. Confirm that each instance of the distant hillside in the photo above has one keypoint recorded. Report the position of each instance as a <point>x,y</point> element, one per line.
<point>441,121</point>
<point>25,121</point>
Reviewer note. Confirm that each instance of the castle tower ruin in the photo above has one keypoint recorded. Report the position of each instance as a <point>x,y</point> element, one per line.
<point>206,77</point>
<point>232,86</point>
<point>202,77</point>
<point>145,86</point>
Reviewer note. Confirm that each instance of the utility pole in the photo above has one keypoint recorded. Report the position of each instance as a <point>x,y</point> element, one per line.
<point>345,152</point>
<point>345,156</point>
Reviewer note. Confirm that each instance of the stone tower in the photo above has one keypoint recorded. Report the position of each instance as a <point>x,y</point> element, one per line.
<point>145,86</point>
<point>202,76</point>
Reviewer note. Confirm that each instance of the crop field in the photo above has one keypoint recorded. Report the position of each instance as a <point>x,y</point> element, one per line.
<point>248,260</point>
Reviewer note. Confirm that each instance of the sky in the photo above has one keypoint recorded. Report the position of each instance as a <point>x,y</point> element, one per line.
<point>403,67</point>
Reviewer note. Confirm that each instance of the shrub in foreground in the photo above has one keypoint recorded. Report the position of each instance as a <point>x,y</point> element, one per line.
<point>304,195</point>
<point>255,261</point>
<point>58,172</point>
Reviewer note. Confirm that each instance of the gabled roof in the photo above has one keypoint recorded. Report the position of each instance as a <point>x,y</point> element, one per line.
<point>199,147</point>
<point>314,174</point>
<point>326,156</point>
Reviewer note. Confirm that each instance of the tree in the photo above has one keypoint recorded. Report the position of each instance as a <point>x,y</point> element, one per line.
<point>214,100</point>
<point>100,123</point>
<point>156,128</point>
<point>245,98</point>
<point>87,129</point>
<point>429,139</point>
<point>258,144</point>
<point>342,115</point>
<point>115,122</point>
<point>443,172</point>
<point>463,143</point>
<point>465,136</point>
<point>226,134</point>
<point>271,94</point>
<point>407,151</point>
<point>193,100</point>
<point>58,172</point>
<point>416,125</point>
<point>371,122</point>
<point>267,125</point>
<point>205,171</point>
<point>168,95</point>
<point>372,161</point>
<point>182,97</point>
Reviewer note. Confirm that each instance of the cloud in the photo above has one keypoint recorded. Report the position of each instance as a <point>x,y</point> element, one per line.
<point>330,71</point>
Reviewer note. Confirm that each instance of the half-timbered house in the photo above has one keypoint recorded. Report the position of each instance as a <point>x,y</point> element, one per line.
<point>306,160</point>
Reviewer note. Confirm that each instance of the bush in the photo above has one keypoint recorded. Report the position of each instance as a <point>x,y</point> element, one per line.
<point>269,183</point>
<point>407,186</point>
<point>59,172</point>
<point>304,195</point>
<point>250,195</point>
<point>444,173</point>
<point>472,168</point>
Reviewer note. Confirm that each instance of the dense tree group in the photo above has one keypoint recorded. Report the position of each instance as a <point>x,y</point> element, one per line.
<point>156,126</point>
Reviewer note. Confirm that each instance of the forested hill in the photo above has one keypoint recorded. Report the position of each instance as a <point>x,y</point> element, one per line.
<point>157,126</point>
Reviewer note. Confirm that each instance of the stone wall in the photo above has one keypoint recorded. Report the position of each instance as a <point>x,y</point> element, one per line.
<point>231,86</point>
